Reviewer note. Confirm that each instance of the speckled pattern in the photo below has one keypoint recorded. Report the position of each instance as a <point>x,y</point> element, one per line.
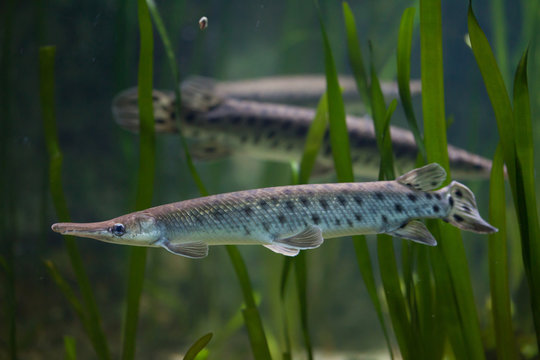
<point>263,215</point>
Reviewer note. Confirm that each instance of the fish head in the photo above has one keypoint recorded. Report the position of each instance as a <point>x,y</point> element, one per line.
<point>138,229</point>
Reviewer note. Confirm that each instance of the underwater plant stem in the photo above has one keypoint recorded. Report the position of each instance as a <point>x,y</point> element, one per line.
<point>450,255</point>
<point>251,314</point>
<point>145,184</point>
<point>46,88</point>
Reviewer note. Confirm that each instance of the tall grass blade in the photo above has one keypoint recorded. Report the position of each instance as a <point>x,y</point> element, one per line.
<point>525,187</point>
<point>46,91</point>
<point>404,75</point>
<point>70,348</point>
<point>357,64</point>
<point>145,185</point>
<point>498,264</point>
<point>251,317</point>
<point>515,132</point>
<point>356,59</point>
<point>285,270</point>
<point>449,260</point>
<point>198,346</point>
<point>300,269</point>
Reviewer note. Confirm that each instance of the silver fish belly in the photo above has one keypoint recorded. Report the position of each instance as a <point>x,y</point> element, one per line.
<point>222,126</point>
<point>291,218</point>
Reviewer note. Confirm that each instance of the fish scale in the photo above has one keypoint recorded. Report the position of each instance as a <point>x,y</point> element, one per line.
<point>291,218</point>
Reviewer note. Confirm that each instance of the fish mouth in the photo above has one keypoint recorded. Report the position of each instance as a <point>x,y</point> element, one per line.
<point>97,230</point>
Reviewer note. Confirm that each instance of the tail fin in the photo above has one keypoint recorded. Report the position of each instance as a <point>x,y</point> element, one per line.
<point>464,212</point>
<point>125,109</point>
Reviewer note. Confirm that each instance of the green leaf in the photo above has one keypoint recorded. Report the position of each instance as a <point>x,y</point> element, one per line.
<point>46,92</point>
<point>314,140</point>
<point>404,75</point>
<point>356,58</point>
<point>145,184</point>
<point>449,259</point>
<point>255,329</point>
<point>198,346</point>
<point>498,264</point>
<point>70,348</point>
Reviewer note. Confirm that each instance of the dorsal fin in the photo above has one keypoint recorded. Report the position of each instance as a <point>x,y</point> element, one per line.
<point>200,94</point>
<point>309,238</point>
<point>426,178</point>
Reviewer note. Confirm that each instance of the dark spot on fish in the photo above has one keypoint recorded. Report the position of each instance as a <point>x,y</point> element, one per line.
<point>337,222</point>
<point>304,222</point>
<point>324,204</point>
<point>398,207</point>
<point>384,219</point>
<point>236,120</point>
<point>155,97</point>
<point>198,218</point>
<point>458,218</point>
<point>214,120</point>
<point>246,230</point>
<point>282,219</point>
<point>379,195</point>
<point>458,193</point>
<point>436,208</point>
<point>350,223</point>
<point>355,158</point>
<point>358,217</point>
<point>218,213</point>
<point>301,131</point>
<point>251,121</point>
<point>190,117</point>
<point>210,149</point>
<point>304,200</point>
<point>412,197</point>
<point>478,167</point>
<point>358,199</point>
<point>341,200</point>
<point>287,191</point>
<point>433,183</point>
<point>316,219</point>
<point>263,204</point>
<point>290,205</point>
<point>438,196</point>
<point>451,201</point>
<point>160,120</point>
<point>266,123</point>
<point>275,200</point>
<point>271,134</point>
<point>286,125</point>
<point>466,209</point>
<point>289,147</point>
<point>403,225</point>
<point>428,195</point>
<point>248,210</point>
<point>266,226</point>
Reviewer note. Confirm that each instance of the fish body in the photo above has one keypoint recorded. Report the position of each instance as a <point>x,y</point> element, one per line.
<point>288,219</point>
<point>222,126</point>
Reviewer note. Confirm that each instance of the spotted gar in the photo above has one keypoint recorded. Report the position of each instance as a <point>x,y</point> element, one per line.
<point>222,125</point>
<point>288,219</point>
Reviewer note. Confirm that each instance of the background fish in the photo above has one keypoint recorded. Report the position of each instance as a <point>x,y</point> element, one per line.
<point>223,126</point>
<point>288,219</point>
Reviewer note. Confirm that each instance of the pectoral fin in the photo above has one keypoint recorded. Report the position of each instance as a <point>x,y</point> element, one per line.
<point>309,238</point>
<point>193,250</point>
<point>415,231</point>
<point>280,249</point>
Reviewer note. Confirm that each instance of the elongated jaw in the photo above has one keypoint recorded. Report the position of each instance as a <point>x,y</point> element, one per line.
<point>97,230</point>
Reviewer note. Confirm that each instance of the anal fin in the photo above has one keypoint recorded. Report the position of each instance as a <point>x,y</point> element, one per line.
<point>193,250</point>
<point>415,231</point>
<point>309,238</point>
<point>284,250</point>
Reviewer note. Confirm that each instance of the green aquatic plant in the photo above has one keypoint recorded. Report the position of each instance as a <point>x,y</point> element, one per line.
<point>88,311</point>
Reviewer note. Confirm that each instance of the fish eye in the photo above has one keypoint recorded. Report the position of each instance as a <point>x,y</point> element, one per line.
<point>118,229</point>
